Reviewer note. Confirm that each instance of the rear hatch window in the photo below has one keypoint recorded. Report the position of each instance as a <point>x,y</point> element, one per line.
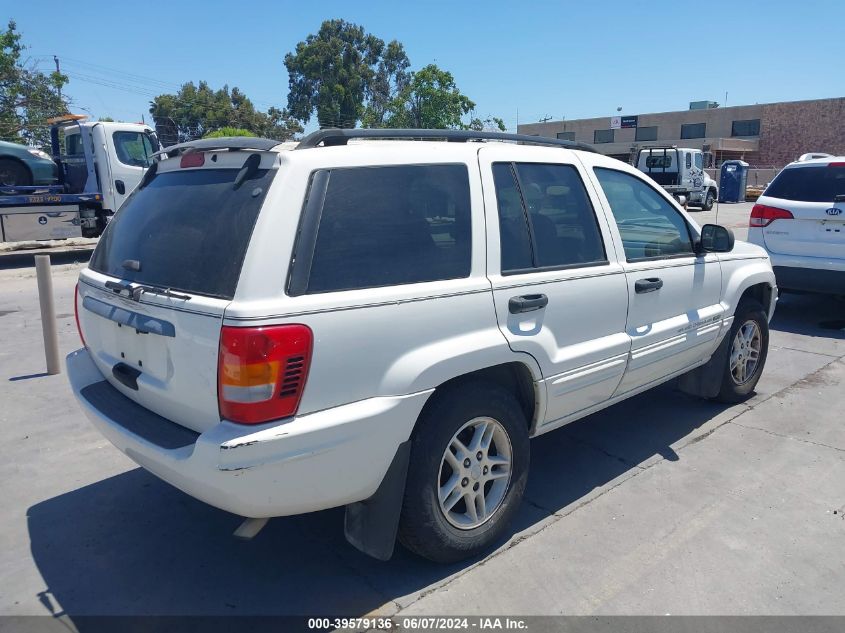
<point>187,230</point>
<point>820,183</point>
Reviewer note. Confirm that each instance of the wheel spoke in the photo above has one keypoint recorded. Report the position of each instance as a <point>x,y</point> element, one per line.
<point>451,459</point>
<point>450,486</point>
<point>481,505</point>
<point>461,451</point>
<point>478,434</point>
<point>497,474</point>
<point>453,498</point>
<point>472,513</point>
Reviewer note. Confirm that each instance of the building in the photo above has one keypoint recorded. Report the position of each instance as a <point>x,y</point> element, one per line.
<point>768,135</point>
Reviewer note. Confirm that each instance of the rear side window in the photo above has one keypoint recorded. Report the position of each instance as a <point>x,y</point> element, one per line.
<point>650,227</point>
<point>187,229</point>
<point>385,226</point>
<point>809,184</point>
<point>545,218</point>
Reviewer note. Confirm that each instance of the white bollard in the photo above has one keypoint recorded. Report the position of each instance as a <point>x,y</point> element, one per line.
<point>48,313</point>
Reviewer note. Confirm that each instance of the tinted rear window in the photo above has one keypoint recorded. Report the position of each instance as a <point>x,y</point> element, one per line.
<point>382,226</point>
<point>809,184</point>
<point>189,229</point>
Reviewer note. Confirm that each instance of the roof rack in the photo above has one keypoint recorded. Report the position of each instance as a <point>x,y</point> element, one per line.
<point>340,136</point>
<point>225,142</point>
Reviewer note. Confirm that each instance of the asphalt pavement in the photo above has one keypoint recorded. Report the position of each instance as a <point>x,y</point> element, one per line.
<point>661,504</point>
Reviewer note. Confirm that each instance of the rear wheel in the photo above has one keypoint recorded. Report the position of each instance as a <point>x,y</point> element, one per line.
<point>709,199</point>
<point>13,174</point>
<point>468,468</point>
<point>749,347</point>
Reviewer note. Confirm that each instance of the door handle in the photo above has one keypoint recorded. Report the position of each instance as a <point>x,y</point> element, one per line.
<point>121,188</point>
<point>527,303</point>
<point>648,285</point>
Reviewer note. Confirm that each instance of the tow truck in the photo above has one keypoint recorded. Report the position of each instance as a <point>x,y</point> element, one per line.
<point>680,171</point>
<point>99,164</point>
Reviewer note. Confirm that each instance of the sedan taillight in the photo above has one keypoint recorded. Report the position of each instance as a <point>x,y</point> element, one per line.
<point>763,215</point>
<point>76,314</point>
<point>261,371</point>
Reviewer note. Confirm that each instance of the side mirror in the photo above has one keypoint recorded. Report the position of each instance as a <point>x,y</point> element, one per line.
<point>716,239</point>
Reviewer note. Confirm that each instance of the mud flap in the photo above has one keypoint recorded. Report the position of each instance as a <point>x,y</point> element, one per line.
<point>371,525</point>
<point>706,381</point>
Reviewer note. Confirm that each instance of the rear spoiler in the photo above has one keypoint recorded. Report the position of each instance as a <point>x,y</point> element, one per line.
<point>231,143</point>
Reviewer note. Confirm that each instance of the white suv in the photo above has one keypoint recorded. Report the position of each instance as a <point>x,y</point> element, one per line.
<point>800,221</point>
<point>383,324</point>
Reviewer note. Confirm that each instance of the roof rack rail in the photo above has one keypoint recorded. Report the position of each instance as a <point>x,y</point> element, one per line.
<point>225,142</point>
<point>340,136</point>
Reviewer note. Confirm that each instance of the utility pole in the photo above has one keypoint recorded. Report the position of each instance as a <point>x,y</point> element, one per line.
<point>59,71</point>
<point>545,118</point>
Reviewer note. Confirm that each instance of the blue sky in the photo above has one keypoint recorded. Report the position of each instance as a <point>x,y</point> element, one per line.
<point>558,59</point>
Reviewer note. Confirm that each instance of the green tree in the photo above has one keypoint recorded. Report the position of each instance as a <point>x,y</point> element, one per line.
<point>196,110</point>
<point>431,99</point>
<point>340,72</point>
<point>228,131</point>
<point>28,97</point>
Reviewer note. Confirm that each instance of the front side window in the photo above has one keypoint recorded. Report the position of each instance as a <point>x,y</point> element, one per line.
<point>133,148</point>
<point>699,161</point>
<point>693,130</point>
<point>651,228</point>
<point>384,226</point>
<point>545,218</point>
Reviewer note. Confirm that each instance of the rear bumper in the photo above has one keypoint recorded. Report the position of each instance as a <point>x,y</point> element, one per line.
<point>311,462</point>
<point>810,279</point>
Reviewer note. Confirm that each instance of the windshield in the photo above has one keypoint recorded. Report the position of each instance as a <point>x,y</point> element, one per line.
<point>820,183</point>
<point>188,230</point>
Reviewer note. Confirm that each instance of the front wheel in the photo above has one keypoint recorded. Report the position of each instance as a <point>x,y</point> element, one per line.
<point>747,352</point>
<point>468,469</point>
<point>708,201</point>
<point>13,174</point>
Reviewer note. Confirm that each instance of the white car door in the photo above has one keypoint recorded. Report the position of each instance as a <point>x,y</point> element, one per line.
<point>559,291</point>
<point>130,154</point>
<point>675,309</point>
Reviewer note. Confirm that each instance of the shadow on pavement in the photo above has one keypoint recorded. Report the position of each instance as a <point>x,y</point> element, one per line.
<point>811,315</point>
<point>131,544</point>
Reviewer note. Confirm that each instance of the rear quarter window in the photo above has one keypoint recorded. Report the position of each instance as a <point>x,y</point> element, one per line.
<point>383,226</point>
<point>820,183</point>
<point>189,230</point>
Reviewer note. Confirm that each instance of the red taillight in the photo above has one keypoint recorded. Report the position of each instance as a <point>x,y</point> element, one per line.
<point>196,159</point>
<point>261,371</point>
<point>762,215</point>
<point>76,314</point>
<point>838,164</point>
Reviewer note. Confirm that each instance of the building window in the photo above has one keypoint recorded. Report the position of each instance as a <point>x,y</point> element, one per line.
<point>646,133</point>
<point>693,130</point>
<point>603,136</point>
<point>751,127</point>
<point>566,136</point>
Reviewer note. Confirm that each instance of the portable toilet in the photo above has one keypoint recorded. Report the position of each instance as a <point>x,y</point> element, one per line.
<point>733,180</point>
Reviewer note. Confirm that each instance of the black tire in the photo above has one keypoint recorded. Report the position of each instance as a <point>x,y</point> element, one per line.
<point>423,526</point>
<point>14,174</point>
<point>731,390</point>
<point>709,199</point>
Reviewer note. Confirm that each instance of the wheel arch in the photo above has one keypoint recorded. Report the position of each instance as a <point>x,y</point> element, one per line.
<point>514,376</point>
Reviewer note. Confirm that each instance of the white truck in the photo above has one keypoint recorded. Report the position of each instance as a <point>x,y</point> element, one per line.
<point>680,171</point>
<point>99,164</point>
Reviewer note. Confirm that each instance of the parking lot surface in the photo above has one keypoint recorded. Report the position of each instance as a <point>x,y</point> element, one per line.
<point>661,504</point>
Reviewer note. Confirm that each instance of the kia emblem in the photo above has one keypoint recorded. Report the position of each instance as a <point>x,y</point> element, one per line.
<point>833,211</point>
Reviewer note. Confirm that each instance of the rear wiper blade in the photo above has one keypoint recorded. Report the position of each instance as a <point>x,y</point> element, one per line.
<point>165,292</point>
<point>134,292</point>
